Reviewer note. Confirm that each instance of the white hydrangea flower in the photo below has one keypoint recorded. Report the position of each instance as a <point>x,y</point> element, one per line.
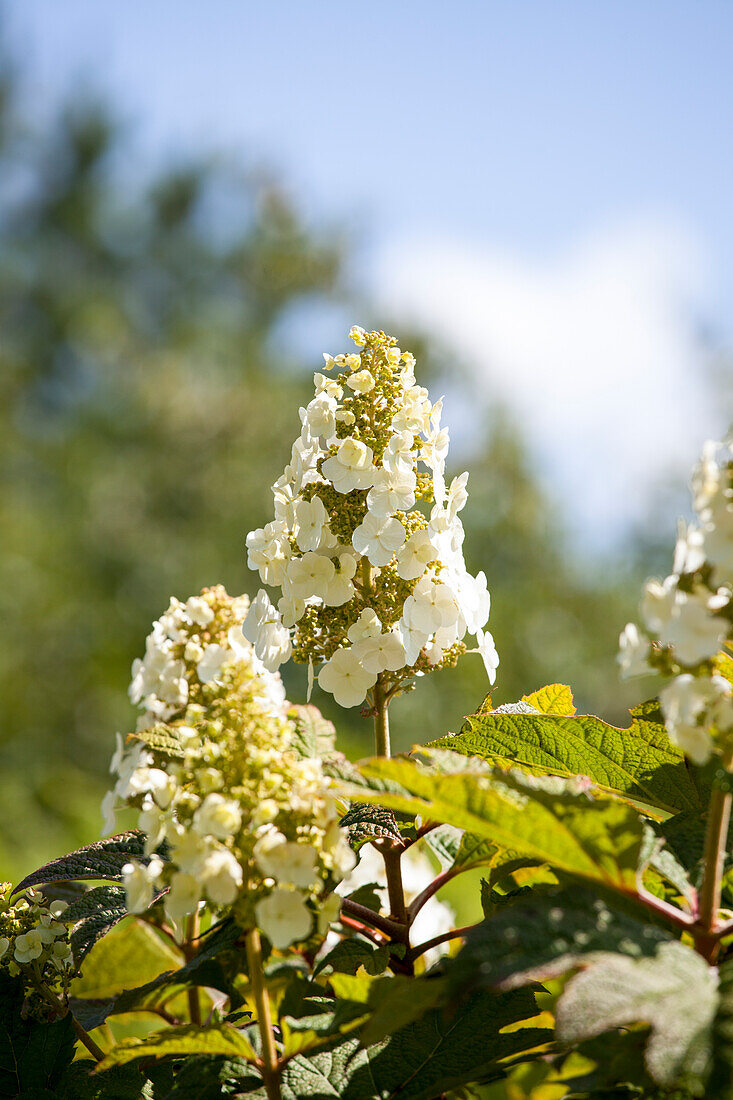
<point>218,816</point>
<point>352,530</point>
<point>351,467</point>
<point>311,523</point>
<point>634,650</point>
<point>345,678</point>
<point>379,539</point>
<point>689,616</point>
<point>361,382</point>
<point>284,917</point>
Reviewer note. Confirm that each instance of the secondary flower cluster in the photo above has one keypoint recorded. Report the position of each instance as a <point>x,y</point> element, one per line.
<point>248,823</point>
<point>366,543</point>
<point>687,618</point>
<point>33,942</point>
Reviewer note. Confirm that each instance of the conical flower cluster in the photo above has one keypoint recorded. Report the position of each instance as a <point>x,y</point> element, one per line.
<point>249,824</point>
<point>366,546</point>
<point>688,617</point>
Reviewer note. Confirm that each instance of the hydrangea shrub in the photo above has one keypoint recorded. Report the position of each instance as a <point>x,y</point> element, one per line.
<point>276,923</point>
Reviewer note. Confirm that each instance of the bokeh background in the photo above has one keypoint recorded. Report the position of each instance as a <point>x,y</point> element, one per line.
<point>197,200</point>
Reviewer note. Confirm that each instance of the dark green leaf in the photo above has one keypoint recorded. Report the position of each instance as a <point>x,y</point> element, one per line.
<point>104,859</point>
<point>33,1055</point>
<point>542,933</point>
<point>184,1040</point>
<point>348,955</point>
<point>204,969</point>
<point>365,822</point>
<point>676,993</point>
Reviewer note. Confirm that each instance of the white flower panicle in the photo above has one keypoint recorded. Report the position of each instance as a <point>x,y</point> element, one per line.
<point>687,619</point>
<point>365,524</point>
<point>249,825</point>
<point>35,942</point>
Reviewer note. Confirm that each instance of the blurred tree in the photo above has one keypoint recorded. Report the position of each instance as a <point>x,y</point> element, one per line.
<point>141,424</point>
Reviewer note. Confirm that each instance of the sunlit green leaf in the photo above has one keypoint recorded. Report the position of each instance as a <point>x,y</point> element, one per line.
<point>639,763</point>
<point>545,819</point>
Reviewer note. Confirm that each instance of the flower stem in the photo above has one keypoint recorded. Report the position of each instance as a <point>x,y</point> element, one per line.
<point>716,838</point>
<point>270,1067</point>
<point>381,720</point>
<point>194,1002</point>
<point>82,1035</point>
<point>391,851</point>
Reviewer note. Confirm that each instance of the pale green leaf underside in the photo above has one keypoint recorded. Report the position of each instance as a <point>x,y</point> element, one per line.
<point>597,840</point>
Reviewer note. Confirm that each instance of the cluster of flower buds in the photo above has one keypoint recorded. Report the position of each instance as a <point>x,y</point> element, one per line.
<point>688,617</point>
<point>250,825</point>
<point>34,943</point>
<point>366,543</point>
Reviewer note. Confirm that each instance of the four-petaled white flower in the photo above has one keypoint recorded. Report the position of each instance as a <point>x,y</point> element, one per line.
<point>211,662</point>
<point>218,816</point>
<point>378,538</point>
<point>361,382</point>
<point>391,492</point>
<point>310,575</point>
<point>381,652</point>
<point>311,522</point>
<point>287,861</point>
<point>352,467</point>
<point>284,917</point>
<point>264,629</point>
<point>415,556</point>
<point>222,876</point>
<point>431,605</point>
<point>487,648</point>
<point>346,678</point>
<point>633,656</point>
<point>28,946</point>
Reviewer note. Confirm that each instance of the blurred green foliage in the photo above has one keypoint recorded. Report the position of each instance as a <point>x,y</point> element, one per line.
<point>143,416</point>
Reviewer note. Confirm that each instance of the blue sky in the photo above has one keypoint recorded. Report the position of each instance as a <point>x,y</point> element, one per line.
<point>569,158</point>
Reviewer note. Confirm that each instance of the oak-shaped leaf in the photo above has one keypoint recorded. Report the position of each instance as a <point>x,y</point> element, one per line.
<point>638,763</point>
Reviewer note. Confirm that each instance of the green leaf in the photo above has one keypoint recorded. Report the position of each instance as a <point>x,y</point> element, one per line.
<point>118,1083</point>
<point>185,1040</point>
<point>131,953</point>
<point>348,955</point>
<point>93,915</point>
<point>398,1001</point>
<point>542,933</point>
<point>366,821</point>
<point>207,1077</point>
<point>553,699</point>
<point>33,1055</point>
<point>444,841</point>
<point>448,1048</point>
<point>638,763</point>
<point>314,735</point>
<point>676,993</point>
<point>104,860</point>
<point>442,1051</point>
<point>545,819</point>
<point>203,969</point>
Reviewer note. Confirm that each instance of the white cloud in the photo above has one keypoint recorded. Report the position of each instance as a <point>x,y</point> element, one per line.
<point>595,352</point>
